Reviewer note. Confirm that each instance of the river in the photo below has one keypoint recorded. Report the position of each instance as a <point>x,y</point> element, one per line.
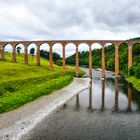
<point>108,110</point>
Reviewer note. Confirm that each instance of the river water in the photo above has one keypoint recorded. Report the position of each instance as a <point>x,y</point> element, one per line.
<point>108,110</point>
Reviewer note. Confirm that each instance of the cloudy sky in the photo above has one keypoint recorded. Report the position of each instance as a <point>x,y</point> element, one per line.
<point>69,19</point>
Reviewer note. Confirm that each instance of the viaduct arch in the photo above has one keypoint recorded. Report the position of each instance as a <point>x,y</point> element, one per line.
<point>51,43</point>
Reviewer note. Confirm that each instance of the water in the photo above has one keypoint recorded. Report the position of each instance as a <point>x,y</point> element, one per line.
<point>108,110</point>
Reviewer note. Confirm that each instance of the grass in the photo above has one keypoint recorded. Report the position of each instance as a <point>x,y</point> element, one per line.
<point>20,83</point>
<point>134,81</point>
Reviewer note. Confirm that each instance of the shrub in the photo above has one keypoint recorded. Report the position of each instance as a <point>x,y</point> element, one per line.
<point>58,62</point>
<point>131,71</point>
<point>137,72</point>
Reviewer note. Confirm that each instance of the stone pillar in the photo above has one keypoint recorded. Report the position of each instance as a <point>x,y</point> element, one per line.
<point>116,61</point>
<point>77,62</point>
<point>1,49</point>
<point>38,55</point>
<point>25,54</point>
<point>2,53</point>
<point>14,54</point>
<point>90,62</point>
<point>103,61</point>
<point>64,59</point>
<point>129,56</point>
<point>51,58</point>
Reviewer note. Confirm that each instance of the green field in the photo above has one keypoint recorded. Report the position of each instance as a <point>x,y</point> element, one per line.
<point>20,83</point>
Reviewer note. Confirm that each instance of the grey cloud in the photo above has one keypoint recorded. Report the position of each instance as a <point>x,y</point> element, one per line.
<point>67,19</point>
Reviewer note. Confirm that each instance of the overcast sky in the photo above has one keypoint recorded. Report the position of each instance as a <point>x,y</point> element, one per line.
<point>69,19</point>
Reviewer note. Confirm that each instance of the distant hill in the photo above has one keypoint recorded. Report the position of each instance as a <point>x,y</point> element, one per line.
<point>136,38</point>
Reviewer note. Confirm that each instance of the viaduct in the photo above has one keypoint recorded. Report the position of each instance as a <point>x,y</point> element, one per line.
<point>103,43</point>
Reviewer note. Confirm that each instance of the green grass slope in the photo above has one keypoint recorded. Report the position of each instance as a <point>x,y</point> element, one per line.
<point>20,83</point>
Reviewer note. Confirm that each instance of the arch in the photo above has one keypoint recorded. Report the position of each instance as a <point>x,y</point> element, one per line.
<point>44,53</point>
<point>96,45</point>
<point>70,49</point>
<point>123,57</point>
<point>32,58</point>
<point>136,53</point>
<point>19,52</point>
<point>109,44</point>
<point>57,53</point>
<point>96,52</point>
<point>83,49</point>
<point>8,49</point>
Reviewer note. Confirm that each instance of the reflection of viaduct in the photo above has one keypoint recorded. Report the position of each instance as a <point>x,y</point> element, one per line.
<point>116,43</point>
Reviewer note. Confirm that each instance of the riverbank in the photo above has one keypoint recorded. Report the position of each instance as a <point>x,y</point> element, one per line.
<point>22,120</point>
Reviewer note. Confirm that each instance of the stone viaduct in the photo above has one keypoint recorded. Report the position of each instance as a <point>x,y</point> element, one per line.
<point>103,43</point>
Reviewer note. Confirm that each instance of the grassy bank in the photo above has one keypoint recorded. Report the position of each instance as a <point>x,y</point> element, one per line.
<point>20,83</point>
<point>134,81</point>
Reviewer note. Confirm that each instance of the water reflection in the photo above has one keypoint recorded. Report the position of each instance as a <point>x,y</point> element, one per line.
<point>103,95</point>
<point>90,108</point>
<point>77,101</point>
<point>129,97</point>
<point>117,99</point>
<point>116,93</point>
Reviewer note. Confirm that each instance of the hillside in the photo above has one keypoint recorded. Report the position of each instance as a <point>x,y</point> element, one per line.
<point>20,83</point>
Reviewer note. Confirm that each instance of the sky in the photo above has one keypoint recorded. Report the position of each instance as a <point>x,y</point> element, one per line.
<point>69,19</point>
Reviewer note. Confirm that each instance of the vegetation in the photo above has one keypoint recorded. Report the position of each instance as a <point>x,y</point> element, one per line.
<point>20,83</point>
<point>32,52</point>
<point>45,54</point>
<point>18,50</point>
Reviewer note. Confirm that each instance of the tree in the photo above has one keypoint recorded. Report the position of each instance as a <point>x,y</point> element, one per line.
<point>32,52</point>
<point>18,50</point>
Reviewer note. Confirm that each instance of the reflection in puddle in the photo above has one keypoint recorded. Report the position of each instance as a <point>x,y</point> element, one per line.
<point>90,108</point>
<point>103,95</point>
<point>116,94</point>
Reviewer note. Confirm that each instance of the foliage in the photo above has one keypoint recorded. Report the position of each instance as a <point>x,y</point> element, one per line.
<point>135,82</point>
<point>45,54</point>
<point>131,71</point>
<point>137,71</point>
<point>18,50</point>
<point>58,62</point>
<point>32,52</point>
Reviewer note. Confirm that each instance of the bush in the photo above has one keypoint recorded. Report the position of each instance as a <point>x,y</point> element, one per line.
<point>131,71</point>
<point>137,72</point>
<point>58,62</point>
